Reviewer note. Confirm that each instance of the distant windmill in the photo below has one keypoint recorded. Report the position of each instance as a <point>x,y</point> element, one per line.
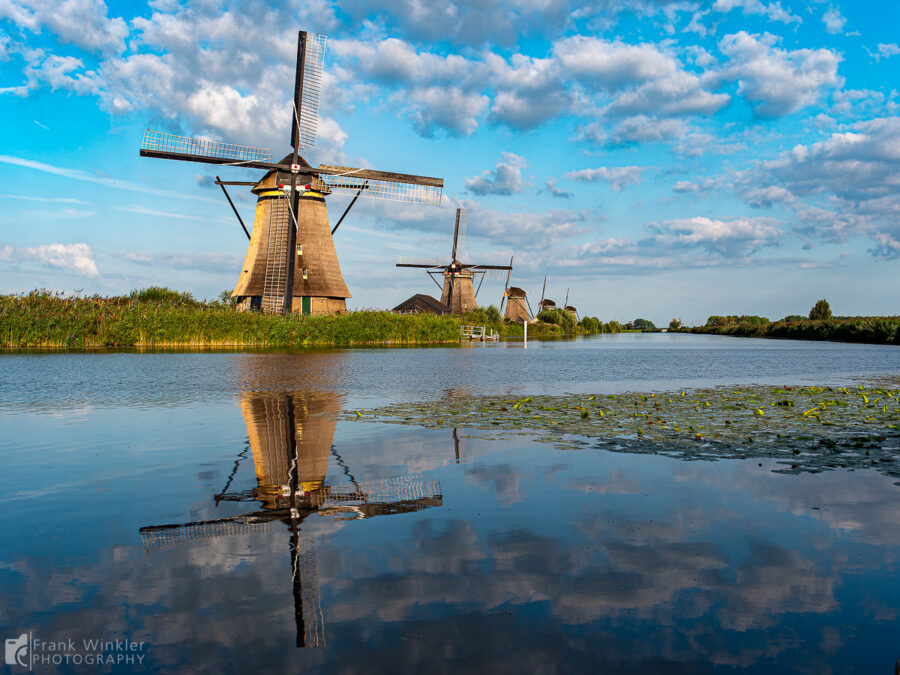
<point>569,308</point>
<point>545,303</point>
<point>458,291</point>
<point>291,231</point>
<point>516,300</point>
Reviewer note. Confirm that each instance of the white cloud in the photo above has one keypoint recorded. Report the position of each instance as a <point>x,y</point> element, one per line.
<point>884,51</point>
<point>78,174</point>
<point>78,258</point>
<point>834,22</point>
<point>778,81</point>
<point>682,243</point>
<point>207,262</point>
<point>774,11</point>
<point>49,200</point>
<point>505,179</point>
<point>83,23</point>
<point>731,238</point>
<point>451,108</point>
<point>618,177</point>
<point>556,192</point>
<point>847,184</point>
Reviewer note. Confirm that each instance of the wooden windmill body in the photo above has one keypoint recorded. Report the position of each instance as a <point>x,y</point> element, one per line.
<point>517,309</point>
<point>458,291</point>
<point>318,286</point>
<point>291,263</point>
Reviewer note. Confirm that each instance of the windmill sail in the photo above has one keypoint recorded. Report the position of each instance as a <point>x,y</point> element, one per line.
<point>313,64</point>
<point>170,146</point>
<point>398,187</point>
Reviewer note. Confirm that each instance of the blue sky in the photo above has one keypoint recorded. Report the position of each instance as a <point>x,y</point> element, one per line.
<point>656,158</point>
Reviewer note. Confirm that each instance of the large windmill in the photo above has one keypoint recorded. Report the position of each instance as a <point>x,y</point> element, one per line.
<point>291,264</point>
<point>458,291</point>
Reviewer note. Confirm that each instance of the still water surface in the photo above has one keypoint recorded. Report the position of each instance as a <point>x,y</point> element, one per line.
<point>150,496</point>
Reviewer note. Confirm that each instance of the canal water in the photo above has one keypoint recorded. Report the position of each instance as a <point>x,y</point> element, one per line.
<point>206,512</point>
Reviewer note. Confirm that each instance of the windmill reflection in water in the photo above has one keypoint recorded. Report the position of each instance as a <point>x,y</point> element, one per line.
<point>291,438</point>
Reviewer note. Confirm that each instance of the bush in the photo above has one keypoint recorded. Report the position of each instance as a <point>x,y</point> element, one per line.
<point>821,311</point>
<point>612,327</point>
<point>483,316</point>
<point>566,320</point>
<point>645,325</point>
<point>674,325</point>
<point>590,324</point>
<point>163,296</point>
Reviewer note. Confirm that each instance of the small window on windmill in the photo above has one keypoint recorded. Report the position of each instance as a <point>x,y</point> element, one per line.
<point>303,272</point>
<point>299,248</point>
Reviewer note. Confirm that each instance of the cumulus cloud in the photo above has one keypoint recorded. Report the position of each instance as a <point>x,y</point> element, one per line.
<point>77,258</point>
<point>83,23</point>
<point>730,238</point>
<point>618,177</point>
<point>505,179</point>
<point>452,109</point>
<point>856,173</point>
<point>834,22</point>
<point>773,11</point>
<point>778,81</point>
<point>695,242</point>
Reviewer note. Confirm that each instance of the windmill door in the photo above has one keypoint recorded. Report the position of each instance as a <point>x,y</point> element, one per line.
<point>305,304</point>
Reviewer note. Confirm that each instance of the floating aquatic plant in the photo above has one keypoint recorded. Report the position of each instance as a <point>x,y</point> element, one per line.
<point>811,428</point>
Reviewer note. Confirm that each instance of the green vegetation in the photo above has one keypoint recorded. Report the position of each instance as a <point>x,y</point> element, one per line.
<point>873,330</point>
<point>563,319</point>
<point>644,325</point>
<point>674,325</point>
<point>821,311</point>
<point>803,428</point>
<point>716,321</point>
<point>160,317</point>
<point>550,323</point>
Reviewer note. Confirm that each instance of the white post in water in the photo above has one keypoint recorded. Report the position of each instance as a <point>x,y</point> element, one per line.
<point>525,323</point>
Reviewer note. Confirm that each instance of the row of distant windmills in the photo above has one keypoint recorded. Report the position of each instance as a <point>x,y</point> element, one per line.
<point>291,264</point>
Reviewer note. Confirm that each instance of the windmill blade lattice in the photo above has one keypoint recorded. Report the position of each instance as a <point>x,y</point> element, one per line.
<point>313,65</point>
<point>162,142</point>
<point>461,238</point>
<point>380,185</point>
<point>421,262</point>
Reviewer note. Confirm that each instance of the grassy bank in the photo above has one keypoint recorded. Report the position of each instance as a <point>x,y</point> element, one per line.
<point>872,330</point>
<point>163,318</point>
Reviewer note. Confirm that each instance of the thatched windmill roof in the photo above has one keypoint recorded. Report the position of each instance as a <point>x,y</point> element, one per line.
<point>422,304</point>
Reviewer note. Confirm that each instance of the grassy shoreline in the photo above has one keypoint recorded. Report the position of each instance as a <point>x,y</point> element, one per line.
<point>161,318</point>
<point>869,330</point>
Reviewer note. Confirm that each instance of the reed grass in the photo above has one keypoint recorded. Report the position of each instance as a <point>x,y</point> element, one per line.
<point>45,319</point>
